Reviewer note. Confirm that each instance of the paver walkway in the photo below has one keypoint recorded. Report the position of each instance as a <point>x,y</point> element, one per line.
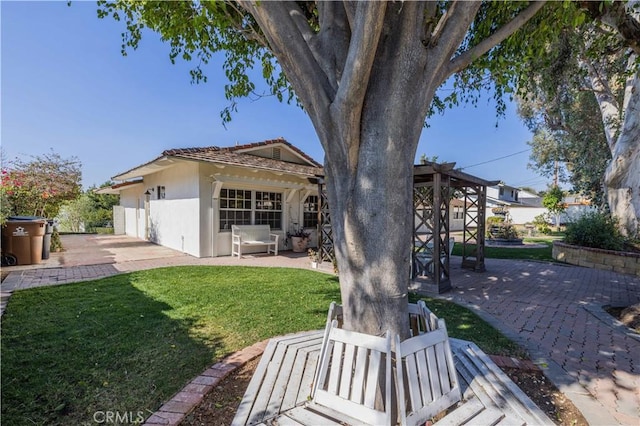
<point>554,311</point>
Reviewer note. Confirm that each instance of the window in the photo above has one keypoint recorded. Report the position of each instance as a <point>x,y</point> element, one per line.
<point>160,192</point>
<point>240,207</point>
<point>310,212</point>
<point>458,213</point>
<point>235,208</point>
<point>501,191</point>
<point>269,209</point>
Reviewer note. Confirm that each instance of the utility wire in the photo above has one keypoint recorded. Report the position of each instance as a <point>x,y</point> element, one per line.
<point>495,159</point>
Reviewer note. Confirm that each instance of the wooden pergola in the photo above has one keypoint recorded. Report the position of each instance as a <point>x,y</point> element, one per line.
<point>434,187</point>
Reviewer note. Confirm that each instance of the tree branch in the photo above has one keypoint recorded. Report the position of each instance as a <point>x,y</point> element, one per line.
<point>451,32</point>
<point>357,70</point>
<point>331,45</point>
<point>464,59</point>
<point>437,32</point>
<point>362,51</point>
<point>282,25</point>
<point>606,102</point>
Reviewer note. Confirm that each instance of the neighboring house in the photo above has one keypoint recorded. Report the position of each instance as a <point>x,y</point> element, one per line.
<point>523,206</point>
<point>187,199</point>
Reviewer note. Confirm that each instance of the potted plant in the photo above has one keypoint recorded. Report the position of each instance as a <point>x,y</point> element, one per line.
<point>299,240</point>
<point>314,256</point>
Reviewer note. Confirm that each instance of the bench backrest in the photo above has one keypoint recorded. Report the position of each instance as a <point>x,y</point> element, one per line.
<point>355,376</point>
<point>421,319</point>
<point>427,378</point>
<point>251,232</point>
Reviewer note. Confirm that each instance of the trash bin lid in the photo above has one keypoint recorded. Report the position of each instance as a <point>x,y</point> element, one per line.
<point>31,218</point>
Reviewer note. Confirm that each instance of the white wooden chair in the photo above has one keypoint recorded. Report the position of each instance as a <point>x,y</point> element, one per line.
<point>427,382</point>
<point>334,314</point>
<point>354,381</point>
<point>421,319</point>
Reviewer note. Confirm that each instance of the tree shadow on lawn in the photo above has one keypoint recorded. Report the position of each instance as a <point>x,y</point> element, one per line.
<point>329,295</point>
<point>76,351</point>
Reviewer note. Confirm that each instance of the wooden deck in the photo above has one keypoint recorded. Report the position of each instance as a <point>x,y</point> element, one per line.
<point>280,389</point>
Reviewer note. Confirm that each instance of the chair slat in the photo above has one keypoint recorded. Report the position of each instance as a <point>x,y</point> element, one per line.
<point>336,367</point>
<point>445,385</point>
<point>413,385</point>
<point>358,379</point>
<point>434,377</point>
<point>423,374</point>
<point>373,372</point>
<point>347,371</point>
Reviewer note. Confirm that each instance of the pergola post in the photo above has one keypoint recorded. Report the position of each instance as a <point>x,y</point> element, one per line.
<point>325,233</point>
<point>475,201</point>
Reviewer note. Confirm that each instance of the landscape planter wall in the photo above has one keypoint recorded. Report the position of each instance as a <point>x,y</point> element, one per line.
<point>609,260</point>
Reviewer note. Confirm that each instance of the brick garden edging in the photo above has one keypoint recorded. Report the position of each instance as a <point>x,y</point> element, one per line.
<point>176,409</point>
<point>608,260</point>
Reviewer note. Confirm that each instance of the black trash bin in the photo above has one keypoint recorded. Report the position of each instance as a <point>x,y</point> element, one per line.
<point>46,242</point>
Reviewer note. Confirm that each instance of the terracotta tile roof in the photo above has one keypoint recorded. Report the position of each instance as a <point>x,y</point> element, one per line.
<point>235,156</point>
<point>232,156</point>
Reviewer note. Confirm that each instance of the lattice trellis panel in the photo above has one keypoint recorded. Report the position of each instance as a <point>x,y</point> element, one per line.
<point>475,201</point>
<point>325,234</point>
<point>423,230</point>
<point>430,257</point>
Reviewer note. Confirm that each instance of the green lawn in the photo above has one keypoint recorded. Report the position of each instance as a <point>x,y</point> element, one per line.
<point>127,343</point>
<point>515,252</point>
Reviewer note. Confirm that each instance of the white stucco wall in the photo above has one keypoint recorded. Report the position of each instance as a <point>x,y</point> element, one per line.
<point>174,221</point>
<point>132,200</point>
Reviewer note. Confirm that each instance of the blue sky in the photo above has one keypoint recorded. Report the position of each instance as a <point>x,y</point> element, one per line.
<point>66,87</point>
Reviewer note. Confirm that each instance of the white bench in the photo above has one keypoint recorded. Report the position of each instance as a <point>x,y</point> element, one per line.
<point>251,236</point>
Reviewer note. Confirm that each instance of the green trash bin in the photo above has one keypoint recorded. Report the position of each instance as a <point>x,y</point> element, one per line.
<point>23,237</point>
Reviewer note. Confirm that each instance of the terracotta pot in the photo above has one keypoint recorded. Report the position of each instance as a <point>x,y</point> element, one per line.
<point>299,244</point>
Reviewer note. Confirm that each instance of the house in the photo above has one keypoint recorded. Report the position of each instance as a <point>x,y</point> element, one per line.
<point>523,206</point>
<point>187,199</point>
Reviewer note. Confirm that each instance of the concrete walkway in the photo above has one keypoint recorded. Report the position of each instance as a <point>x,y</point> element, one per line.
<point>554,311</point>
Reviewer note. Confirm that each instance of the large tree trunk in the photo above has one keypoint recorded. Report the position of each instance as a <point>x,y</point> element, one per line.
<point>621,122</point>
<point>622,129</point>
<point>622,178</point>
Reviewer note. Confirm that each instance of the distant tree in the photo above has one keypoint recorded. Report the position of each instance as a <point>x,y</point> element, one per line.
<point>553,201</point>
<point>74,214</point>
<point>577,152</point>
<point>40,186</point>
<point>5,208</point>
<point>101,206</point>
<point>88,211</point>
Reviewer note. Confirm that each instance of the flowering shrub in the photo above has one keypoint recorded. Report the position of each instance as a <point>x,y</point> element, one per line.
<point>38,187</point>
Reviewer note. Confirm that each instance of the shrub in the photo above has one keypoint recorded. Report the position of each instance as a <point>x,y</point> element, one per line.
<point>56,243</point>
<point>542,223</point>
<point>597,230</point>
<point>495,220</point>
